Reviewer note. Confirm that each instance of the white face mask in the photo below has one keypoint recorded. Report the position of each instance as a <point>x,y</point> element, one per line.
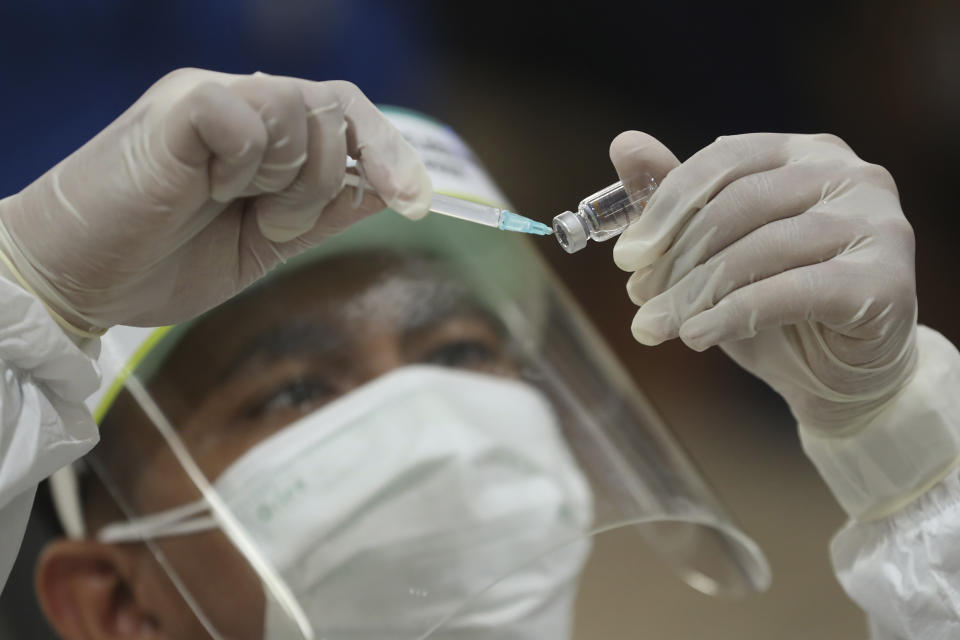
<point>394,507</point>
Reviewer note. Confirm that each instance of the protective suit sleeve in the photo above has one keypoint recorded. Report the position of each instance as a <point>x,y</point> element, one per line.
<point>902,564</point>
<point>903,569</point>
<point>44,423</point>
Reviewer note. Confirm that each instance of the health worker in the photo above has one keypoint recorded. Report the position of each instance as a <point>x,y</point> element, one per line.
<point>356,426</point>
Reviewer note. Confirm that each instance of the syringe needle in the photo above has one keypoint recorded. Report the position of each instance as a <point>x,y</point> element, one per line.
<point>516,222</point>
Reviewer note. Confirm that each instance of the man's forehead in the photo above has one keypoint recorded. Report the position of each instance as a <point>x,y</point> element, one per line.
<point>321,307</point>
<point>404,301</point>
<point>353,294</point>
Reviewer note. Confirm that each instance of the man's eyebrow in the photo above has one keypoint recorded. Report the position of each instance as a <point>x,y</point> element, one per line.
<point>311,337</point>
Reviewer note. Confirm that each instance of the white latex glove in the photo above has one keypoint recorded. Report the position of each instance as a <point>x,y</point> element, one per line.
<point>789,252</point>
<point>206,183</point>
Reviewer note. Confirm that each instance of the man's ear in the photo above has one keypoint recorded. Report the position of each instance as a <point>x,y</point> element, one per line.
<point>86,590</point>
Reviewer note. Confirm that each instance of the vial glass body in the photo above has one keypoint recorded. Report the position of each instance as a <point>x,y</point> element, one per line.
<point>603,215</point>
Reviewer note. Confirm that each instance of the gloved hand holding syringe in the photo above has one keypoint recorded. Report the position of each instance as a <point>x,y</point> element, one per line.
<point>598,217</point>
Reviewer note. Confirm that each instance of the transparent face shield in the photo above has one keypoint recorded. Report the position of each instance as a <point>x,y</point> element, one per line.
<point>411,432</point>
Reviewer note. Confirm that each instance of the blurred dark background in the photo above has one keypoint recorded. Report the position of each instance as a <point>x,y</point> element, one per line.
<point>539,90</point>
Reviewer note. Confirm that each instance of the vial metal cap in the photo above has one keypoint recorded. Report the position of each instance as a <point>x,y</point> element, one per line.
<point>569,231</point>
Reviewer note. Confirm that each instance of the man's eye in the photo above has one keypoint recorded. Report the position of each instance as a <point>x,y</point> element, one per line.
<point>463,354</point>
<point>301,394</point>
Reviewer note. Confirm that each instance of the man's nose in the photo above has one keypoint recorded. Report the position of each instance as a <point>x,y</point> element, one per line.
<point>377,355</point>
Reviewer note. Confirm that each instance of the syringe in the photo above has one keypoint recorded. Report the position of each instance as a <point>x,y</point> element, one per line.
<point>471,211</point>
<point>603,215</point>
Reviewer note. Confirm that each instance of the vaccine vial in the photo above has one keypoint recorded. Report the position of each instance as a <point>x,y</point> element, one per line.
<point>603,215</point>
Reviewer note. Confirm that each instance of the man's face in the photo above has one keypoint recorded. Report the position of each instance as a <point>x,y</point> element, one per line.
<point>255,366</point>
<point>290,348</point>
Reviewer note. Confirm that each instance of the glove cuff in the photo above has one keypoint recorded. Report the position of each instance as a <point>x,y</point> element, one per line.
<point>906,448</point>
<point>76,333</point>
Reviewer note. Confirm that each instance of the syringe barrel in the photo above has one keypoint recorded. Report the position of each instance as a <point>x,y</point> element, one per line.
<point>465,210</point>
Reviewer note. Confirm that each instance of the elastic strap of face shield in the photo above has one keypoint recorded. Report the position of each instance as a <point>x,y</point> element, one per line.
<point>65,490</point>
<point>178,521</point>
